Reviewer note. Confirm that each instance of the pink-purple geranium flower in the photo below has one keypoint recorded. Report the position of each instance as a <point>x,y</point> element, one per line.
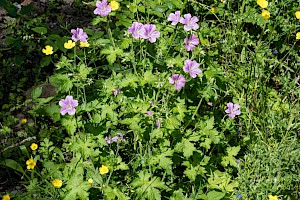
<point>189,22</point>
<point>102,8</point>
<point>136,30</point>
<point>150,32</point>
<point>79,34</point>
<point>192,67</point>
<point>149,112</point>
<point>178,80</point>
<point>116,92</point>
<point>158,124</point>
<point>68,105</point>
<point>233,110</point>
<point>191,42</point>
<point>174,18</point>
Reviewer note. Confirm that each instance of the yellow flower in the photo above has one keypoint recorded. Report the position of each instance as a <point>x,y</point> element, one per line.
<point>57,183</point>
<point>6,197</point>
<point>103,169</point>
<point>30,164</point>
<point>213,9</point>
<point>298,36</point>
<point>69,45</point>
<point>297,14</point>
<point>48,50</point>
<point>114,5</point>
<point>34,146</point>
<point>84,44</point>
<point>24,121</point>
<point>265,14</point>
<point>262,3</point>
<point>271,197</point>
<point>90,181</point>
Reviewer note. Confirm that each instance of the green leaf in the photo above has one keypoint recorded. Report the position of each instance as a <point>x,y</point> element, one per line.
<point>191,173</point>
<point>62,82</point>
<point>12,164</point>
<point>233,151</point>
<point>214,195</point>
<point>24,150</point>
<point>84,71</point>
<point>70,125</point>
<point>188,148</point>
<point>36,92</point>
<point>40,30</point>
<point>97,20</point>
<point>45,61</point>
<point>172,123</point>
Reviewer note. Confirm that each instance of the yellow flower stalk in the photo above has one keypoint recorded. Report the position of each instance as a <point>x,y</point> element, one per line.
<point>262,3</point>
<point>265,14</point>
<point>57,183</point>
<point>48,50</point>
<point>6,197</point>
<point>103,169</point>
<point>69,45</point>
<point>33,146</point>
<point>30,164</point>
<point>114,5</point>
<point>84,44</point>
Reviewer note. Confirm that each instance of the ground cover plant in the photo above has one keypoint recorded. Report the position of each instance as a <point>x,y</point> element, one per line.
<point>152,100</point>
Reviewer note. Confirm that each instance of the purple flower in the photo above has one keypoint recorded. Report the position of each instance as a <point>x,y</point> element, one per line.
<point>191,42</point>
<point>178,80</point>
<point>192,67</point>
<point>239,196</point>
<point>189,22</point>
<point>116,92</point>
<point>78,34</point>
<point>102,8</point>
<point>149,112</point>
<point>136,29</point>
<point>174,18</point>
<point>107,140</point>
<point>150,32</point>
<point>68,105</point>
<point>158,124</point>
<point>115,139</point>
<point>233,110</point>
<point>121,135</point>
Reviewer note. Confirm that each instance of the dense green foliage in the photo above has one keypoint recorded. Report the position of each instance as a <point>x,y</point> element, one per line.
<point>134,134</point>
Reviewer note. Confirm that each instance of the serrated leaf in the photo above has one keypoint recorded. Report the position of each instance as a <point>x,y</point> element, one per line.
<point>188,149</point>
<point>191,173</point>
<point>172,123</point>
<point>233,151</point>
<point>70,125</point>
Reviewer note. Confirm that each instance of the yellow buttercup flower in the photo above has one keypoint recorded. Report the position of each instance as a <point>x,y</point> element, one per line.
<point>24,121</point>
<point>33,146</point>
<point>298,36</point>
<point>48,50</point>
<point>297,14</point>
<point>103,169</point>
<point>57,183</point>
<point>69,45</point>
<point>265,14</point>
<point>90,181</point>
<point>262,3</point>
<point>30,164</point>
<point>84,44</point>
<point>213,9</point>
<point>114,5</point>
<point>6,197</point>
<point>271,197</point>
